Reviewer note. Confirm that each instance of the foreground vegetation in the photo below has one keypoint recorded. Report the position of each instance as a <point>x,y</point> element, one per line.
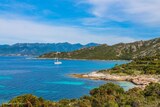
<point>108,95</point>
<point>145,65</point>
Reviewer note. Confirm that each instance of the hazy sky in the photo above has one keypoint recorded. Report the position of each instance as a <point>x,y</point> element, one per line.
<point>78,21</point>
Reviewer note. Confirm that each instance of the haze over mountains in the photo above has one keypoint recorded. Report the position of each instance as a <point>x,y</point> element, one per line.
<point>35,49</point>
<point>116,52</point>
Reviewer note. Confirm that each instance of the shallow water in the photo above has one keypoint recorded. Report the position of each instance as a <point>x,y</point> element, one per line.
<point>22,75</point>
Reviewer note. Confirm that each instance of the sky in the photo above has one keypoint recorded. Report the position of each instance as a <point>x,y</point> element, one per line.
<point>78,21</point>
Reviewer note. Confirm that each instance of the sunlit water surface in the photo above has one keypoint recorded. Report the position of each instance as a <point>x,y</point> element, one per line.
<point>22,75</point>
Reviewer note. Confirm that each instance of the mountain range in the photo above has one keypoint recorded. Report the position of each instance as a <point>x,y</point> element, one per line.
<point>36,49</point>
<point>121,51</point>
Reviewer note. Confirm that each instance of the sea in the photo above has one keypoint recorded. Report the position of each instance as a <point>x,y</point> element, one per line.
<point>42,78</point>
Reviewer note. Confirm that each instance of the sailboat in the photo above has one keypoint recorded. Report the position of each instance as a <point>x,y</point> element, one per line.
<point>57,62</point>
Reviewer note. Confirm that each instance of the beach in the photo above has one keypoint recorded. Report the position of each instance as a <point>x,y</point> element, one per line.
<point>140,81</point>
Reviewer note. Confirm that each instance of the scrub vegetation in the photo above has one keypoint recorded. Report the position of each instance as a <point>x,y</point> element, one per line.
<point>107,95</point>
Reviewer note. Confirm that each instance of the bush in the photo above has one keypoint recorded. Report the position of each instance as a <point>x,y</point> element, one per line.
<point>153,89</point>
<point>108,95</point>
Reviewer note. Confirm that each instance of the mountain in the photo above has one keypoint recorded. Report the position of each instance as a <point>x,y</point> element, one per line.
<point>40,48</point>
<point>118,51</point>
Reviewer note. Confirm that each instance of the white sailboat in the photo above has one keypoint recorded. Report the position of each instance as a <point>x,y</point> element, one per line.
<point>57,62</point>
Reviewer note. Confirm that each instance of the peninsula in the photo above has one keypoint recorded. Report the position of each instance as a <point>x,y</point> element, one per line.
<point>141,72</point>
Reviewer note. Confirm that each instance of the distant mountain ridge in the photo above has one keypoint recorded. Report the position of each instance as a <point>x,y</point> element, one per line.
<point>35,49</point>
<point>114,52</point>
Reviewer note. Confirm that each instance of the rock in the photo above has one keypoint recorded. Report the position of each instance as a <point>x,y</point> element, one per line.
<point>141,81</point>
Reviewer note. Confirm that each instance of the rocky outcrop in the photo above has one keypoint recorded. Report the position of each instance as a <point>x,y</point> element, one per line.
<point>141,80</point>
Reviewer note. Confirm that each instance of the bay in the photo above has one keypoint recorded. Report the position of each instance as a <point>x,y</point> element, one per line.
<point>40,77</point>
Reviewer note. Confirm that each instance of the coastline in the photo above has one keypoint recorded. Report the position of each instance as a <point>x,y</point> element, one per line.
<point>140,81</point>
<point>86,59</point>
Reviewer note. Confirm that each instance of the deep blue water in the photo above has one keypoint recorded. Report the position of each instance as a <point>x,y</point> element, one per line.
<point>20,75</point>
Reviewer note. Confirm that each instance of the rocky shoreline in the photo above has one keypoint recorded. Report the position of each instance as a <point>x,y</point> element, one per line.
<point>139,80</point>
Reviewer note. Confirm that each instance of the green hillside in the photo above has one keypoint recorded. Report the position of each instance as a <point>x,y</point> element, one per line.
<point>145,65</point>
<point>118,51</point>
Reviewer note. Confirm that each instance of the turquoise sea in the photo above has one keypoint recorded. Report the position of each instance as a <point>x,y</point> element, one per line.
<point>22,75</point>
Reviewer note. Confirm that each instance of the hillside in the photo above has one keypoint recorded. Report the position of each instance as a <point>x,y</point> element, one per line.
<point>145,65</point>
<point>118,51</point>
<point>35,49</point>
